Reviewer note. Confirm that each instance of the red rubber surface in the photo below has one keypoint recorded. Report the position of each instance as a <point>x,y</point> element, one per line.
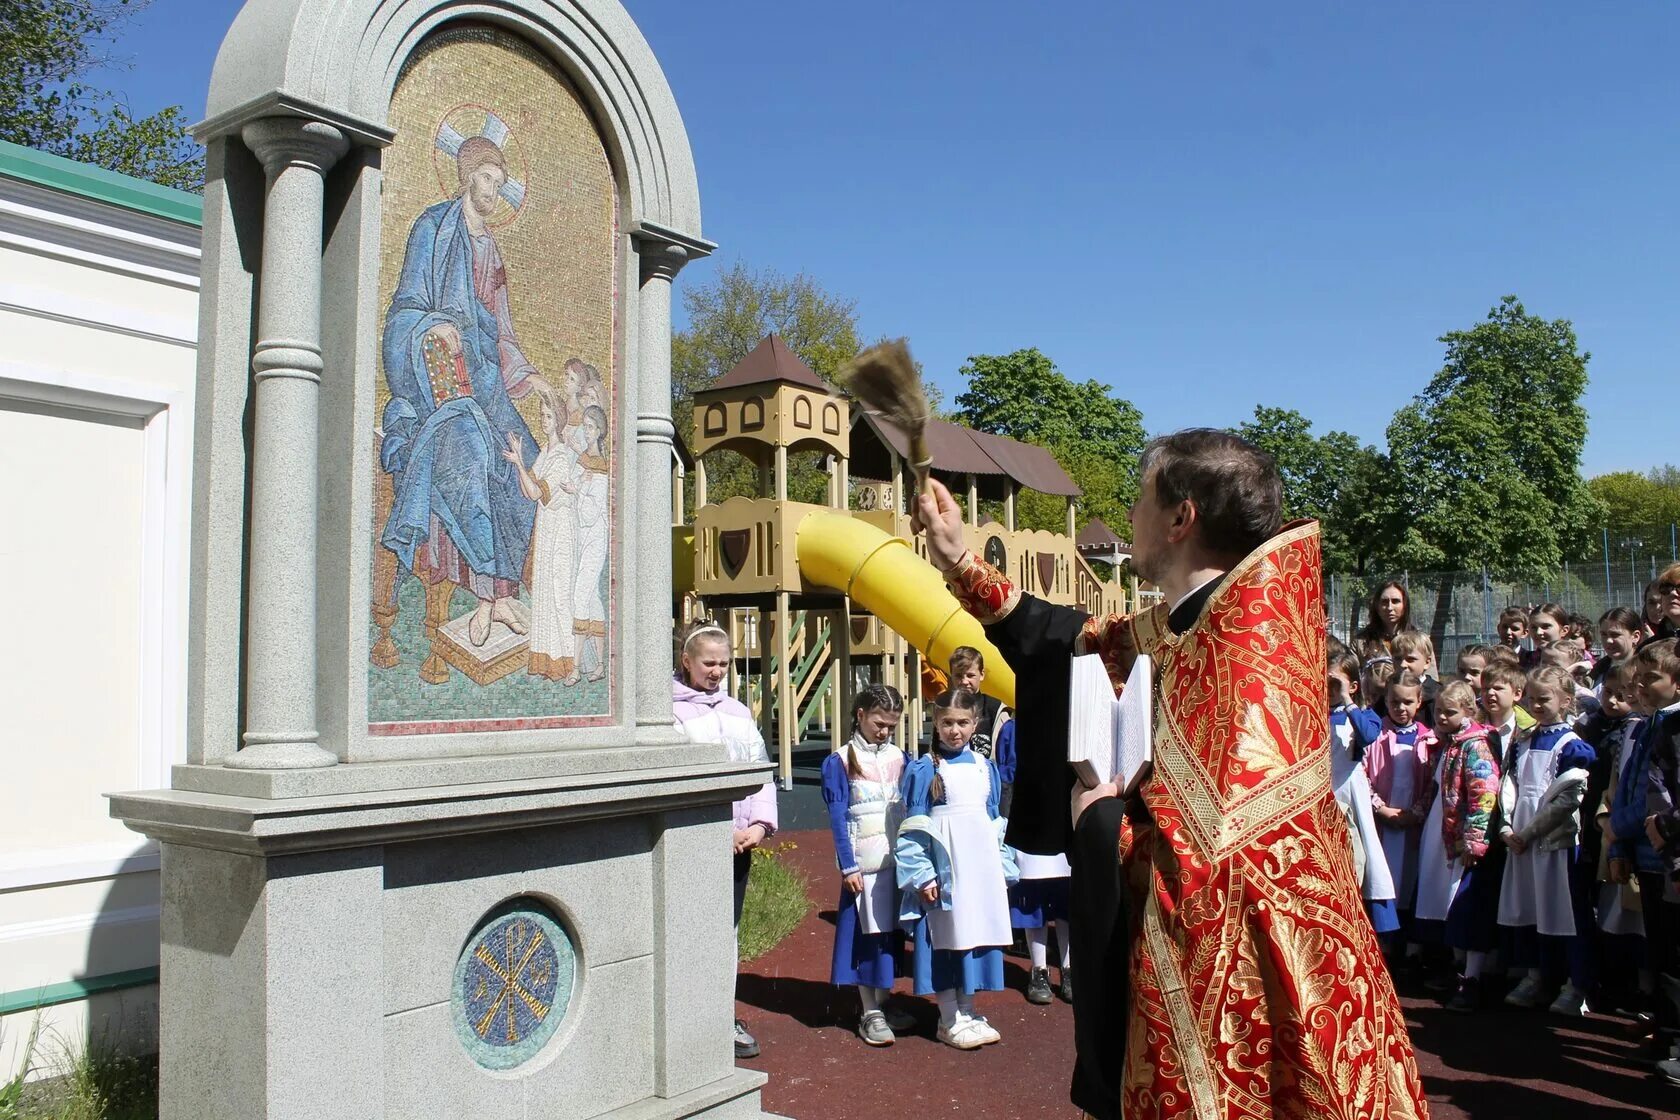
<point>1493,1065</point>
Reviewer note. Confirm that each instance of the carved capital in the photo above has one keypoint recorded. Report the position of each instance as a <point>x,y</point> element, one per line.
<point>282,142</point>
<point>663,251</point>
<point>654,427</point>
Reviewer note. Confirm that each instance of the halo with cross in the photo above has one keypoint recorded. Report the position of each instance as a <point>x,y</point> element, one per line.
<point>470,119</point>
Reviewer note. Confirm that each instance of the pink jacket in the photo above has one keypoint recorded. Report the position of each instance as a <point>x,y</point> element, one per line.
<point>1386,754</point>
<point>711,717</point>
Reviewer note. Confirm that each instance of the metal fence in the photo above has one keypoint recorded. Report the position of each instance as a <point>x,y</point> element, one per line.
<point>1462,608</point>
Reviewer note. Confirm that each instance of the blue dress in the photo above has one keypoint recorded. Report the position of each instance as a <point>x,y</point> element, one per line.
<point>940,970</point>
<point>860,958</point>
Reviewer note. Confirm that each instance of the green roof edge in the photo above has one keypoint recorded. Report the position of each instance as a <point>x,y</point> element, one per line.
<point>58,173</point>
<point>48,995</point>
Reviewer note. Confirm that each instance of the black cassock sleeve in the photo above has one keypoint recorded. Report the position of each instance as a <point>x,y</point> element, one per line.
<point>1037,640</point>
<point>1102,949</point>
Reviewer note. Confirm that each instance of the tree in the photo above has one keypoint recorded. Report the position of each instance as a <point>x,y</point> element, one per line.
<point>1478,482</point>
<point>728,315</point>
<point>48,51</point>
<point>1333,479</point>
<point>1634,501</point>
<point>1097,437</point>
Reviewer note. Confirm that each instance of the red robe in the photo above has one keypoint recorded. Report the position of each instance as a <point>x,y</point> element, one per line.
<point>1257,986</point>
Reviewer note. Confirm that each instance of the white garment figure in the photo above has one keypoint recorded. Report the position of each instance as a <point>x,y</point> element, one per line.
<point>1438,873</point>
<point>979,913</point>
<point>554,563</point>
<point>1535,890</point>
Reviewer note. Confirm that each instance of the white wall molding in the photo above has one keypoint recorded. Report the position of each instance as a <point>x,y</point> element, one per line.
<point>79,923</point>
<point>165,417</point>
<point>58,866</point>
<point>37,219</point>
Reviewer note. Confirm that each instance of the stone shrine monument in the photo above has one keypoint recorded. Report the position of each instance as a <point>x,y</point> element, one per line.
<point>439,849</point>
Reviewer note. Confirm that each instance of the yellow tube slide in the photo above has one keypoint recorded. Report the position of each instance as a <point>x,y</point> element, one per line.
<point>884,575</point>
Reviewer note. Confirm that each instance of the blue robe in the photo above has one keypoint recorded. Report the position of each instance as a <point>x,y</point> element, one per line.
<point>920,860</point>
<point>445,459</point>
<point>870,959</point>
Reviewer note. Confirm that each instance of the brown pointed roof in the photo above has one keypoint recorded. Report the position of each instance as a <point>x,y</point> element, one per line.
<point>1097,534</point>
<point>959,451</point>
<point>771,361</point>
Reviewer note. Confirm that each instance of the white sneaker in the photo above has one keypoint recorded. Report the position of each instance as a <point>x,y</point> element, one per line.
<point>1569,1002</point>
<point>964,1034</point>
<point>988,1034</point>
<point>1526,994</point>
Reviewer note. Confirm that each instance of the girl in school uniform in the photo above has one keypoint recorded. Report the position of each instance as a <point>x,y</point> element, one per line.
<point>1465,788</point>
<point>1397,766</point>
<point>1041,898</point>
<point>1352,731</point>
<point>1544,784</point>
<point>860,785</point>
<point>954,871</point>
<point>710,715</point>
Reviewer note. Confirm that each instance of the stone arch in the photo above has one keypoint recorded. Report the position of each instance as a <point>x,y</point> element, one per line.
<point>341,61</point>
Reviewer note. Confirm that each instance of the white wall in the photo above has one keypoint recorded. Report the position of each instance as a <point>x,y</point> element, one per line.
<point>98,313</point>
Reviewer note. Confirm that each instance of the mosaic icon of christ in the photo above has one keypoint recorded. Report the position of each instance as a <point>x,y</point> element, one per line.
<point>454,366</point>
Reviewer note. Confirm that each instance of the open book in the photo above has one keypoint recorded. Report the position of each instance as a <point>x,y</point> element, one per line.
<point>1109,739</point>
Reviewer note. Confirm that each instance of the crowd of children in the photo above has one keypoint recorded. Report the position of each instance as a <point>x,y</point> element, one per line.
<point>1516,827</point>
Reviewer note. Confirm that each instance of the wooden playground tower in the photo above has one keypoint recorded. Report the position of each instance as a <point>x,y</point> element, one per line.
<point>748,560</point>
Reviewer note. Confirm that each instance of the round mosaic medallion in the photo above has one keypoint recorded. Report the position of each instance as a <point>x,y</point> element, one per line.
<point>512,984</point>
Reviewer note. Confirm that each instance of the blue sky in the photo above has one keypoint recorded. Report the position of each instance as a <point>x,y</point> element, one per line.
<point>1206,205</point>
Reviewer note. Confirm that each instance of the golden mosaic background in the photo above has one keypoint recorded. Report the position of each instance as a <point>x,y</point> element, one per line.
<point>559,249</point>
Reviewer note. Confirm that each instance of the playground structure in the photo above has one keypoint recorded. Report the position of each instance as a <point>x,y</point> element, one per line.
<point>813,595</point>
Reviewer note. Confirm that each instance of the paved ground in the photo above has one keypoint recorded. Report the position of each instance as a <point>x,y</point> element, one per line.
<point>1496,1065</point>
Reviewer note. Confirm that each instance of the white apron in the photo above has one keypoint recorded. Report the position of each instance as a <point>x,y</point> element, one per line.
<point>1438,875</point>
<point>1353,790</point>
<point>1043,867</point>
<point>979,913</point>
<point>1402,864</point>
<point>1535,891</point>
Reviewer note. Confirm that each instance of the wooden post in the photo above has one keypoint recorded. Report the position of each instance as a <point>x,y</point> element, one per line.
<point>843,496</point>
<point>766,679</point>
<point>898,500</point>
<point>973,502</point>
<point>786,715</point>
<point>839,697</point>
<point>699,483</point>
<point>1009,506</point>
<point>781,473</point>
<point>1072,535</point>
<point>677,492</point>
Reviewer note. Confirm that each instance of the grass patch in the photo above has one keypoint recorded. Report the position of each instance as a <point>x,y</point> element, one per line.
<point>778,898</point>
<point>93,1083</point>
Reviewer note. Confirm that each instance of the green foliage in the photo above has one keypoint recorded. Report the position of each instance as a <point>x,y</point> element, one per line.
<point>48,50</point>
<point>728,315</point>
<point>1333,479</point>
<point>778,898</point>
<point>94,1082</point>
<point>1096,437</point>
<point>1487,459</point>
<point>1631,500</point>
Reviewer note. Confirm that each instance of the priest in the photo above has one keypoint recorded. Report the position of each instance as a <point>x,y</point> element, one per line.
<point>1254,985</point>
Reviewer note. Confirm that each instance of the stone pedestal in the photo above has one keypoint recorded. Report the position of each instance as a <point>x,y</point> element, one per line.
<point>311,948</point>
<point>438,848</point>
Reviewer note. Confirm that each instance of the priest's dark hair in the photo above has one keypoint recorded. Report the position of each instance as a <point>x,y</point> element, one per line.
<point>1235,486</point>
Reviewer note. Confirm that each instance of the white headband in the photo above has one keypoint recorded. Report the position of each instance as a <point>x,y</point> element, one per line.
<point>718,630</point>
